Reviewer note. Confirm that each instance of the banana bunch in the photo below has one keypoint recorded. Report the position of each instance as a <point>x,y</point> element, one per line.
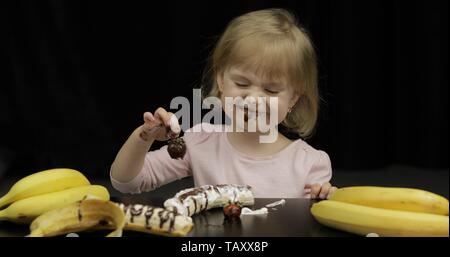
<point>43,182</point>
<point>83,215</point>
<point>384,210</point>
<point>46,190</point>
<point>394,198</point>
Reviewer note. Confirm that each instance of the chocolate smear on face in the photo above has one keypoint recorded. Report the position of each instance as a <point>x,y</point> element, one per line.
<point>246,114</point>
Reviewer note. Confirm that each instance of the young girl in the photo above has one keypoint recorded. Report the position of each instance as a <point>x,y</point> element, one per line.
<point>261,54</point>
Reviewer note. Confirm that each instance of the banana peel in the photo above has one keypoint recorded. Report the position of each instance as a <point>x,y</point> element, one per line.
<point>89,214</point>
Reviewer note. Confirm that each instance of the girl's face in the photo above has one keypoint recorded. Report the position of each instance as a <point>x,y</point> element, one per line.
<point>236,82</point>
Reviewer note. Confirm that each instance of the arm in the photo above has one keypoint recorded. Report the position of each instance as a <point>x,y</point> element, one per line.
<point>130,159</point>
<point>317,184</point>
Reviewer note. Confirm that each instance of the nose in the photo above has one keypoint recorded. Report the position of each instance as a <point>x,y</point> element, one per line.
<point>253,97</point>
<point>256,101</point>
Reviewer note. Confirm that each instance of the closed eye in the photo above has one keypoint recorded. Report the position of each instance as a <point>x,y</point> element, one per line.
<point>270,91</point>
<point>239,84</point>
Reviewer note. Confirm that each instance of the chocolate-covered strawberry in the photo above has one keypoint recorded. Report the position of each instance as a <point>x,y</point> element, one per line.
<point>176,148</point>
<point>232,211</point>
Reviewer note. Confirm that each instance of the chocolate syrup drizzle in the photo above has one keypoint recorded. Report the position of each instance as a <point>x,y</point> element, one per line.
<point>135,212</point>
<point>196,192</point>
<point>164,215</point>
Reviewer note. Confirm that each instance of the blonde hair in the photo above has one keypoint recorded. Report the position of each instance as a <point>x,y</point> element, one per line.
<point>272,42</point>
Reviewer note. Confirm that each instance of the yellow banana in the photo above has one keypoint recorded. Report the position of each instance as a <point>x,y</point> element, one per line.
<point>363,220</point>
<point>44,182</point>
<point>25,210</point>
<point>79,216</point>
<point>405,199</point>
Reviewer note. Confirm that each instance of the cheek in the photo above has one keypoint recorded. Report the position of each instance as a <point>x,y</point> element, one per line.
<point>282,113</point>
<point>227,93</point>
<point>229,90</point>
<point>282,109</point>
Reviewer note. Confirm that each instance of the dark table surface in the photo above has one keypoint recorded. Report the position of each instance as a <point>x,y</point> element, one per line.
<point>291,220</point>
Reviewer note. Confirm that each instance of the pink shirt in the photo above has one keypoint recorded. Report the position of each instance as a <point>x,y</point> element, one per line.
<point>211,159</point>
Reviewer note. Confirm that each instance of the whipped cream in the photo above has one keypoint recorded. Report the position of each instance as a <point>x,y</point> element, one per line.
<point>248,211</point>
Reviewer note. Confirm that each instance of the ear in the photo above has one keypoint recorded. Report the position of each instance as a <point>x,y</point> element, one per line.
<point>219,80</point>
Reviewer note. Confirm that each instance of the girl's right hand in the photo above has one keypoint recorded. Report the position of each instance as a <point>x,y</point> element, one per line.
<point>161,126</point>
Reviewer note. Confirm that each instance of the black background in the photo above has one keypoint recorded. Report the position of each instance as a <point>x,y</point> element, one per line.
<point>80,74</point>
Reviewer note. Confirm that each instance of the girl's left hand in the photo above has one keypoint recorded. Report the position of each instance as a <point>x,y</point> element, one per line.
<point>321,191</point>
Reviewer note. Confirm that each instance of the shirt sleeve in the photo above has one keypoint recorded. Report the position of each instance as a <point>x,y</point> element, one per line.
<point>160,169</point>
<point>320,171</point>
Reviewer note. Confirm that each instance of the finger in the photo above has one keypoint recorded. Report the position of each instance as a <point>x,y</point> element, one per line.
<point>330,193</point>
<point>315,190</point>
<point>173,129</point>
<point>324,190</point>
<point>148,117</point>
<point>162,116</point>
<point>149,122</point>
<point>174,125</point>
